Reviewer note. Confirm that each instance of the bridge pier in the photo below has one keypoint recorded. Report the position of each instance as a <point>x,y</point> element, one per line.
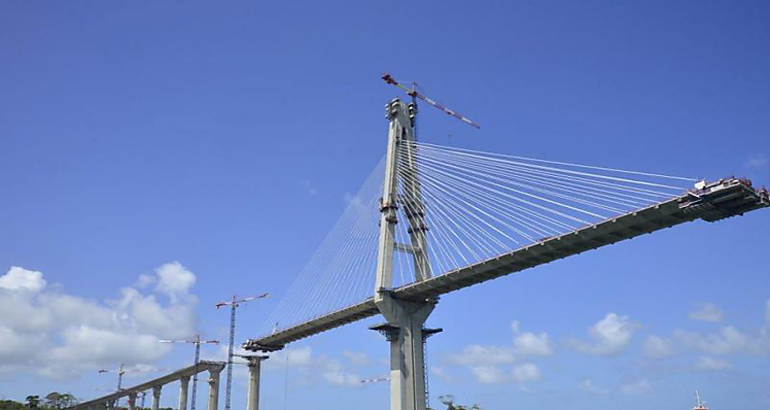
<point>406,335</point>
<point>214,388</point>
<point>255,364</point>
<point>156,397</point>
<point>184,385</point>
<point>132,401</point>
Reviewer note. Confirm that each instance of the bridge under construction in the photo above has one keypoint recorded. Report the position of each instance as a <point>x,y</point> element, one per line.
<point>433,219</point>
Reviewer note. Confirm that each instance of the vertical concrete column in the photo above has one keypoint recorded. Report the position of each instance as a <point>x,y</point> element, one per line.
<point>407,366</point>
<point>156,397</point>
<point>184,384</point>
<point>255,364</point>
<point>132,401</point>
<point>214,388</point>
<point>111,404</point>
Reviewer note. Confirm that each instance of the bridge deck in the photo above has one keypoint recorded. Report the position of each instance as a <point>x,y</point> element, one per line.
<point>715,201</point>
<point>202,366</point>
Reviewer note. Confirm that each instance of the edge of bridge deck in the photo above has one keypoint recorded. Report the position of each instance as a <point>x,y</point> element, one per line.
<point>202,366</point>
<point>711,202</point>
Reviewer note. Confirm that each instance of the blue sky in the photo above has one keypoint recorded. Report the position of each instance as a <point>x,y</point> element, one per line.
<point>163,155</point>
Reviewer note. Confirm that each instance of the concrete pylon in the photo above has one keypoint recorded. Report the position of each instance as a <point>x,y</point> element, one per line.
<point>214,389</point>
<point>111,404</point>
<point>404,331</point>
<point>132,401</point>
<point>184,385</point>
<point>156,397</point>
<point>255,364</point>
<point>405,319</point>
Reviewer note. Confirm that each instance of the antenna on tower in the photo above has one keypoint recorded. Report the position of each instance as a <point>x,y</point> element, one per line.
<point>416,94</point>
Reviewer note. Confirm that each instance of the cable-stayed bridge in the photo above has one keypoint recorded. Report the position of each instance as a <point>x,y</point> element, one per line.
<point>443,219</point>
<point>432,219</point>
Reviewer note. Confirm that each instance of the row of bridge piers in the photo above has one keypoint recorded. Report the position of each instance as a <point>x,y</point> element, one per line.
<point>182,376</point>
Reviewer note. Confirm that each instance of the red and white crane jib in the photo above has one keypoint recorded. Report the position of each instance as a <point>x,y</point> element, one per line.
<point>413,92</point>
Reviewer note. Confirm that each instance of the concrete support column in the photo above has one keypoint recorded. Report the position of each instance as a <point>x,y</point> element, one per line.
<point>132,401</point>
<point>184,384</point>
<point>156,397</point>
<point>214,389</point>
<point>252,400</point>
<point>111,405</point>
<point>404,331</point>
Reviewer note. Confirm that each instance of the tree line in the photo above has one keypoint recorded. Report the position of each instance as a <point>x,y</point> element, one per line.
<point>52,401</point>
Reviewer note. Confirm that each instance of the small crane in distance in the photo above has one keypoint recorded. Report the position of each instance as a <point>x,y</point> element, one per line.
<point>121,371</point>
<point>197,342</point>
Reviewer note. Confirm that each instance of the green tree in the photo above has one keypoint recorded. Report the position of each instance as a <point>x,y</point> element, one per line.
<point>449,402</point>
<point>52,400</point>
<point>33,402</point>
<point>58,401</point>
<point>11,405</point>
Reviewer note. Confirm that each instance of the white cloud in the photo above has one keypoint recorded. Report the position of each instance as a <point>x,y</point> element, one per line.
<point>767,314</point>
<point>334,373</point>
<point>85,348</point>
<point>478,355</point>
<point>637,388</point>
<point>657,347</point>
<point>356,358</point>
<point>144,280</point>
<point>488,374</point>
<point>589,386</point>
<point>297,357</point>
<point>710,363</point>
<point>51,333</point>
<point>707,312</point>
<point>523,373</point>
<point>610,335</point>
<point>22,279</point>
<point>490,364</point>
<point>527,372</point>
<point>174,280</point>
<point>728,340</point>
<point>530,344</point>
<point>312,367</point>
<point>757,161</point>
<point>441,373</point>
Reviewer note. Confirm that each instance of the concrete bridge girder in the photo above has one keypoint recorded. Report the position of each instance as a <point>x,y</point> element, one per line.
<point>183,376</point>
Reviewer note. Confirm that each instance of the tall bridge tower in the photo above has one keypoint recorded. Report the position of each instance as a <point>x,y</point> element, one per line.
<point>405,319</point>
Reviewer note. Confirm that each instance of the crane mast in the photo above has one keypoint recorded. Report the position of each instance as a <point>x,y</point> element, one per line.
<point>197,342</point>
<point>233,303</point>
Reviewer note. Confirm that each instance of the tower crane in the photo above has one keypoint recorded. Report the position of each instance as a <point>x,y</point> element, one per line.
<point>121,371</point>
<point>197,342</point>
<point>412,92</point>
<point>233,303</point>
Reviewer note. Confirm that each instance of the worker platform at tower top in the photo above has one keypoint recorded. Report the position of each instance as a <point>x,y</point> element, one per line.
<point>708,201</point>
